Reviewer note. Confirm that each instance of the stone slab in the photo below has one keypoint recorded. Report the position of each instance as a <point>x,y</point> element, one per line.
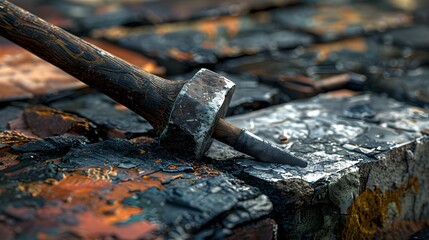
<point>367,158</point>
<point>63,187</point>
<point>180,46</point>
<point>334,21</point>
<point>112,118</point>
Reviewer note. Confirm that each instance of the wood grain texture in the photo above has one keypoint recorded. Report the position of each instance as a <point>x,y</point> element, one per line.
<point>148,95</point>
<point>226,132</point>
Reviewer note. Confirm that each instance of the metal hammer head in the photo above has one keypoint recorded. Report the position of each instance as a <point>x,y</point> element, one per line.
<point>200,104</point>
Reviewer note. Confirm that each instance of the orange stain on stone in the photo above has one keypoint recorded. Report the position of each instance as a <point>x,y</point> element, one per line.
<point>8,157</point>
<point>45,122</point>
<point>178,54</point>
<point>368,213</point>
<point>344,16</point>
<point>91,226</point>
<point>211,27</point>
<point>98,193</point>
<point>325,49</point>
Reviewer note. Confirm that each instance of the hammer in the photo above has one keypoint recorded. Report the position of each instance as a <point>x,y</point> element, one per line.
<point>185,114</point>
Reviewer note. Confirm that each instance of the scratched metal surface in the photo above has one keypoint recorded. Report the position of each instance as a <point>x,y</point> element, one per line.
<point>250,93</point>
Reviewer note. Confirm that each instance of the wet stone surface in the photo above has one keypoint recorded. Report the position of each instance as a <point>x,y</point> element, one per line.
<point>410,86</point>
<point>350,144</point>
<point>62,187</point>
<point>205,42</point>
<point>112,118</point>
<point>335,21</point>
<point>299,77</point>
<point>7,114</point>
<point>402,37</point>
<point>82,17</point>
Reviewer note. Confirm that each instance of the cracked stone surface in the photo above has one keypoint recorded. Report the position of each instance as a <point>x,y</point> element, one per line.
<point>362,150</point>
<point>63,187</point>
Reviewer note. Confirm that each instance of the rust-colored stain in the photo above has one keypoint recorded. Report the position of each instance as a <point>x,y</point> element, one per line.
<point>94,188</point>
<point>45,122</point>
<point>92,226</point>
<point>339,18</point>
<point>231,51</point>
<point>342,93</point>
<point>7,159</point>
<point>23,75</point>
<point>178,54</point>
<point>204,171</point>
<point>87,226</point>
<point>283,138</point>
<point>353,44</point>
<point>27,75</point>
<point>7,139</point>
<point>13,137</point>
<point>368,213</point>
<point>208,26</point>
<point>211,27</point>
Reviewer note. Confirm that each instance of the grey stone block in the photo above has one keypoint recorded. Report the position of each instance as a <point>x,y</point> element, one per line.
<point>368,164</point>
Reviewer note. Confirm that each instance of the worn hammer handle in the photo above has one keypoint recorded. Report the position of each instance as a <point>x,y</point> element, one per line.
<point>146,94</point>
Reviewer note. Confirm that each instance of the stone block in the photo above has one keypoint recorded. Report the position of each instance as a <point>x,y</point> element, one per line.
<point>367,158</point>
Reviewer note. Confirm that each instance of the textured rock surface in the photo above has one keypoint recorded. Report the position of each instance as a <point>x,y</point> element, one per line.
<point>65,174</point>
<point>367,158</point>
<point>62,187</point>
<point>334,21</point>
<point>112,118</point>
<point>205,42</point>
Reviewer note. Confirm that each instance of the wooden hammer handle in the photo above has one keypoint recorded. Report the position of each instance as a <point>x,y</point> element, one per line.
<point>146,94</point>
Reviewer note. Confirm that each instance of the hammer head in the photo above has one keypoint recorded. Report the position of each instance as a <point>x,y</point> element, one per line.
<point>200,104</point>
